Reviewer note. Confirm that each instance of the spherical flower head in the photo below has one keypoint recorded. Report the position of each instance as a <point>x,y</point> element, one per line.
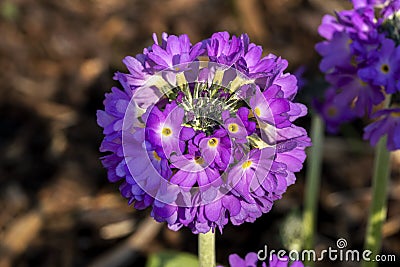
<point>251,260</point>
<point>203,134</point>
<point>387,122</point>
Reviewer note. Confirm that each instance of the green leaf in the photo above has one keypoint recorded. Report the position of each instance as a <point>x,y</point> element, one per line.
<point>172,259</point>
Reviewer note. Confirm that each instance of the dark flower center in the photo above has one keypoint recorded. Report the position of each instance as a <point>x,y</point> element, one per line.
<point>332,111</point>
<point>385,68</point>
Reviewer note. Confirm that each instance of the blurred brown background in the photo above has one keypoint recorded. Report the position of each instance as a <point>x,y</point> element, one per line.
<point>57,59</point>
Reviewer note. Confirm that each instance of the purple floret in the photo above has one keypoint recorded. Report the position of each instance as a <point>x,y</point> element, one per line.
<point>383,68</point>
<point>387,123</point>
<point>333,112</point>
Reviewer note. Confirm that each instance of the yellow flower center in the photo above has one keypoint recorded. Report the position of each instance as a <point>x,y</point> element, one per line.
<point>396,114</point>
<point>156,156</point>
<point>385,68</point>
<point>233,127</point>
<point>257,111</point>
<point>362,83</point>
<point>199,160</point>
<point>247,164</point>
<point>166,131</point>
<point>213,142</point>
<point>353,61</point>
<point>332,111</point>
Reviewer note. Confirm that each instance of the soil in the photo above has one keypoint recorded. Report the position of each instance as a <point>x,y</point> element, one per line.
<point>57,60</point>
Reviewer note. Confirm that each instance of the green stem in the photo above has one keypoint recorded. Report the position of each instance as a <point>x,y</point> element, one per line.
<point>314,162</point>
<point>377,215</point>
<point>207,249</point>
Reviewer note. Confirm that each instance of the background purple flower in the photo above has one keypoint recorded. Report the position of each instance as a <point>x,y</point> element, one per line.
<point>387,122</point>
<point>383,68</point>
<point>359,59</point>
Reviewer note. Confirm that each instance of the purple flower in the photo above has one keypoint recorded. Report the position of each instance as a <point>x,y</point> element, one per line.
<point>251,260</point>
<point>359,59</point>
<point>252,63</point>
<point>223,49</point>
<point>363,3</point>
<point>356,94</point>
<point>334,112</point>
<point>387,123</point>
<point>173,50</point>
<point>136,76</point>
<point>191,170</point>
<point>237,127</point>
<point>203,142</point>
<point>290,149</point>
<point>359,23</point>
<point>243,114</point>
<point>270,106</point>
<point>216,149</point>
<point>164,130</point>
<point>329,26</point>
<point>258,174</point>
<point>283,262</point>
<point>390,8</point>
<point>383,68</point>
<point>336,52</point>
